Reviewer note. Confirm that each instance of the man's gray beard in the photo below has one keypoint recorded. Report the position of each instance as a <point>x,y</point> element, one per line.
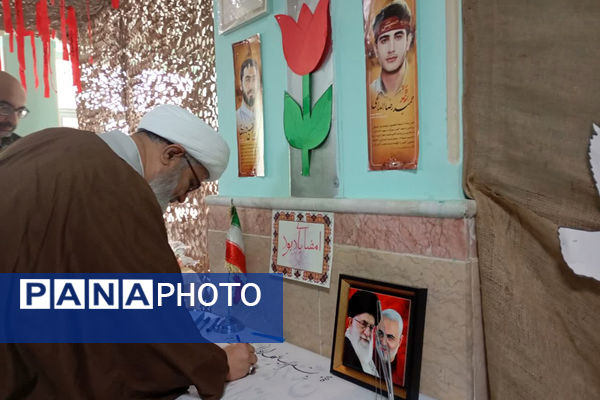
<point>364,351</point>
<point>390,356</point>
<point>164,185</point>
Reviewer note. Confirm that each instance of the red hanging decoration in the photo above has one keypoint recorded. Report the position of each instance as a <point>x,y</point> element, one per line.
<point>31,34</point>
<point>43,28</point>
<point>21,41</point>
<point>115,4</point>
<point>8,26</point>
<point>63,30</point>
<point>89,29</point>
<point>73,44</point>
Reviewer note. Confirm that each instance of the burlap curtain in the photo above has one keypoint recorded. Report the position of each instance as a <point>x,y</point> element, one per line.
<point>144,54</point>
<point>532,90</point>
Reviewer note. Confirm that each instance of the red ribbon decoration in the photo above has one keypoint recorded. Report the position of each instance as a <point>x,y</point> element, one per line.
<point>34,56</point>
<point>21,41</point>
<point>63,30</point>
<point>115,4</point>
<point>43,28</point>
<point>8,26</point>
<point>31,34</point>
<point>74,50</point>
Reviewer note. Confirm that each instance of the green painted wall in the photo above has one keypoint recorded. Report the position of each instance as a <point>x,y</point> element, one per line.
<point>43,111</point>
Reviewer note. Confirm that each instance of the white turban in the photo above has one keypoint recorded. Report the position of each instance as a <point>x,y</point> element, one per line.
<point>180,126</point>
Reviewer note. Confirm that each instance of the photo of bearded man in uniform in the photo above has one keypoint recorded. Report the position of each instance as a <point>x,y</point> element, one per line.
<point>249,107</point>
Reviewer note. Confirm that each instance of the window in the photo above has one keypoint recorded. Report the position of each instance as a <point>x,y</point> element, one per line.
<point>66,92</point>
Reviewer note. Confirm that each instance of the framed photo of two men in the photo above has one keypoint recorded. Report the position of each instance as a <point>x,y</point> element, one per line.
<point>391,80</point>
<point>378,336</point>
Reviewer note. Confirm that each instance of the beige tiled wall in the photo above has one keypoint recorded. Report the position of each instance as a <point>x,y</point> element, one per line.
<point>453,362</point>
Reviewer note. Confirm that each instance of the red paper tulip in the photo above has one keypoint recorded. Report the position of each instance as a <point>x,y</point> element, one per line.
<point>305,42</point>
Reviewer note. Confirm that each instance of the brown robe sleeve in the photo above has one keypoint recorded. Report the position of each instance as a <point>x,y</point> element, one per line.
<point>69,204</point>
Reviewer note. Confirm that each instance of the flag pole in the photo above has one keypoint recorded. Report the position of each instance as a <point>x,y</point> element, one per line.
<point>235,262</point>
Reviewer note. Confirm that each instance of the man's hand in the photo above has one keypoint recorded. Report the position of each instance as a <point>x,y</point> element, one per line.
<point>240,357</point>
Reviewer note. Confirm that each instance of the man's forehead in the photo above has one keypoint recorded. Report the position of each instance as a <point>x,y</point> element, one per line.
<point>11,91</point>
<point>365,316</point>
<point>250,70</point>
<point>12,97</point>
<point>391,33</point>
<point>391,323</point>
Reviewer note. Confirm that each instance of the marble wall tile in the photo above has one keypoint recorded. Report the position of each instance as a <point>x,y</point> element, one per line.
<point>480,388</point>
<point>301,322</point>
<point>218,218</point>
<point>471,232</point>
<point>433,237</point>
<point>255,221</point>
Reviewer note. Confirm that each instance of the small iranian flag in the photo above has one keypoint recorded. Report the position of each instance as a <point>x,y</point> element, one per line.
<point>235,257</point>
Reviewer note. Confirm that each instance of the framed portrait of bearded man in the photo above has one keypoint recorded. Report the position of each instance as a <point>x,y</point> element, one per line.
<point>391,80</point>
<point>247,66</point>
<point>378,336</point>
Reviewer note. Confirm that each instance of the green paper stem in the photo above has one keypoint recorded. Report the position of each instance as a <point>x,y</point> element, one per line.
<point>305,162</point>
<point>305,128</point>
<point>305,98</point>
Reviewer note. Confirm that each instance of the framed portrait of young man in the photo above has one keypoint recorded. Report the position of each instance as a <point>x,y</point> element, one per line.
<point>378,335</point>
<point>392,85</point>
<point>247,65</point>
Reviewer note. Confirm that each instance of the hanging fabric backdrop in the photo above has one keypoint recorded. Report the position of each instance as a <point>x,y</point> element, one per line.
<point>532,76</point>
<point>147,53</point>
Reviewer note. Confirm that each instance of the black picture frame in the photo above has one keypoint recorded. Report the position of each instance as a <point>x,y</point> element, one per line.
<point>412,302</point>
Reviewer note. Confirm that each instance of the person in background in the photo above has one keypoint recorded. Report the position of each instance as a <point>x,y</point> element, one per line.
<point>12,108</point>
<point>76,202</point>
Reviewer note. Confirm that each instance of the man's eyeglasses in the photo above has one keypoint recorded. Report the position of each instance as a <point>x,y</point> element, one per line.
<point>389,336</point>
<point>198,182</point>
<point>364,324</point>
<point>7,109</point>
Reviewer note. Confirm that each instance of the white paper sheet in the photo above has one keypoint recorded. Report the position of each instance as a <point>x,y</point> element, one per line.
<point>288,372</point>
<point>581,249</point>
<point>302,245</point>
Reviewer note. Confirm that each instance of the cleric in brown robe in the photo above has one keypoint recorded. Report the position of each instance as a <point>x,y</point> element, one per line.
<point>74,201</point>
